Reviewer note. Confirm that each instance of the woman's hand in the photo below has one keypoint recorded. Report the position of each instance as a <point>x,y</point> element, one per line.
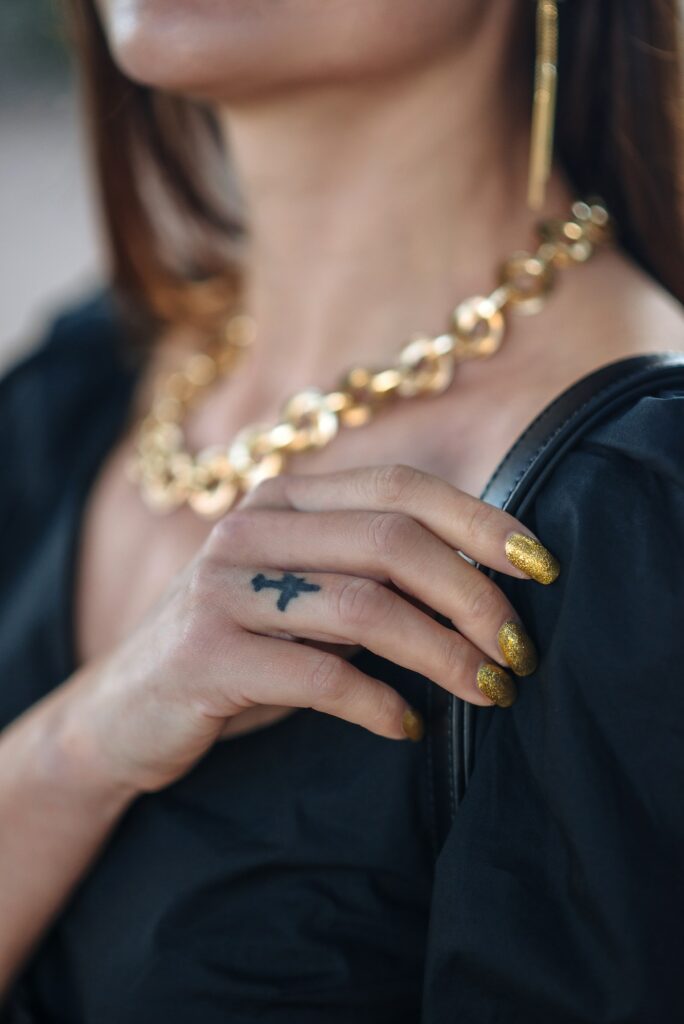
<point>357,557</point>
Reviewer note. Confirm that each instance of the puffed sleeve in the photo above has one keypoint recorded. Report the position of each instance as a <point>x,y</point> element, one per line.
<point>559,892</point>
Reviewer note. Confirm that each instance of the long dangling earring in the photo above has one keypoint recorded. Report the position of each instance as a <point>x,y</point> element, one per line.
<point>544,105</point>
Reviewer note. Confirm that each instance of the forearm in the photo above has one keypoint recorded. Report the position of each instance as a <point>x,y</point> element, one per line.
<point>57,809</point>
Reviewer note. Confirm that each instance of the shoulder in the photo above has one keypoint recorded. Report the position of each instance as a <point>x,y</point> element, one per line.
<point>614,506</point>
<point>625,473</point>
<point>634,458</point>
<point>619,309</point>
<point>637,447</point>
<point>82,344</point>
<point>625,313</point>
<point>57,397</point>
<point>609,628</point>
<point>572,820</point>
<point>612,512</point>
<point>84,351</point>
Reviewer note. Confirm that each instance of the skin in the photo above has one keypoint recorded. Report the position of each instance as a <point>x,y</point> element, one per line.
<point>381,149</point>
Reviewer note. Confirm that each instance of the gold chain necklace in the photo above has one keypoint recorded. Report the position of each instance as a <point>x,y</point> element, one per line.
<point>212,480</point>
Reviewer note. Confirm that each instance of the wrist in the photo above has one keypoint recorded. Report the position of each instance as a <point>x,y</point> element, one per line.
<point>71,752</point>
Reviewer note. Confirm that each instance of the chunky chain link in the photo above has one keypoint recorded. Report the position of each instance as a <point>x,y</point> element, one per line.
<point>211,481</point>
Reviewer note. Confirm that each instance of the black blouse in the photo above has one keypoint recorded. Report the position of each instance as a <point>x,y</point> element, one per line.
<point>292,875</point>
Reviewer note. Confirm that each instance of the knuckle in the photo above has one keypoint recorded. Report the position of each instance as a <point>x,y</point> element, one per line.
<point>201,582</point>
<point>481,518</point>
<point>393,534</point>
<point>360,601</point>
<point>394,484</point>
<point>326,681</point>
<point>231,532</point>
<point>203,622</point>
<point>386,708</point>
<point>268,491</point>
<point>482,601</point>
<point>454,657</point>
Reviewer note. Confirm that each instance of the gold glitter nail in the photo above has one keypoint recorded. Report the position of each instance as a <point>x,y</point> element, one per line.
<point>517,648</point>
<point>412,725</point>
<point>496,684</point>
<point>533,558</point>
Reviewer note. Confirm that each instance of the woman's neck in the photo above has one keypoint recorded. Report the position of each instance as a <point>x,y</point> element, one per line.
<point>373,207</point>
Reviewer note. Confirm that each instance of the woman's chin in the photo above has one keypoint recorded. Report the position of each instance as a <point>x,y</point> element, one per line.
<point>227,50</point>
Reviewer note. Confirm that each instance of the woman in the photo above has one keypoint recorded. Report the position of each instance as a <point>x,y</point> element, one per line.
<point>201,811</point>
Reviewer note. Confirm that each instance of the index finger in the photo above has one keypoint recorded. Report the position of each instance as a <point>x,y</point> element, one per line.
<point>482,532</point>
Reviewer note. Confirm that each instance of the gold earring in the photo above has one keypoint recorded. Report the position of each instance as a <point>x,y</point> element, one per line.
<point>544,105</point>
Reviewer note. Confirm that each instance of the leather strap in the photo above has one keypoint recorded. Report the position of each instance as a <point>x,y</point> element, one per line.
<point>512,486</point>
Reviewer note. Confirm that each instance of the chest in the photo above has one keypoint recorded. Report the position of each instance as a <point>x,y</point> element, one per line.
<point>128,555</point>
<point>270,869</point>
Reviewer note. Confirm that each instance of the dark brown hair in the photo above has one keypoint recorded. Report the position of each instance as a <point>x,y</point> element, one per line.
<point>619,134</point>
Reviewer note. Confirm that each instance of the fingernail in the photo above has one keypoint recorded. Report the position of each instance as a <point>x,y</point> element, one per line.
<point>496,684</point>
<point>412,725</point>
<point>532,557</point>
<point>517,648</point>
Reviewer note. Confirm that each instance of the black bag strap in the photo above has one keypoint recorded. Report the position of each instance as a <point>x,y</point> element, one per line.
<point>512,486</point>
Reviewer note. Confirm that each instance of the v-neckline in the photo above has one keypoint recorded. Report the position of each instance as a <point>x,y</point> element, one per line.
<point>73,508</point>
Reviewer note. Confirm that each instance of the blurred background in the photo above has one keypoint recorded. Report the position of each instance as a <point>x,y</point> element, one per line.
<point>49,233</point>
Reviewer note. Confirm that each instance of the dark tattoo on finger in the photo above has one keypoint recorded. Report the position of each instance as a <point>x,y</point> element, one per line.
<point>289,586</point>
